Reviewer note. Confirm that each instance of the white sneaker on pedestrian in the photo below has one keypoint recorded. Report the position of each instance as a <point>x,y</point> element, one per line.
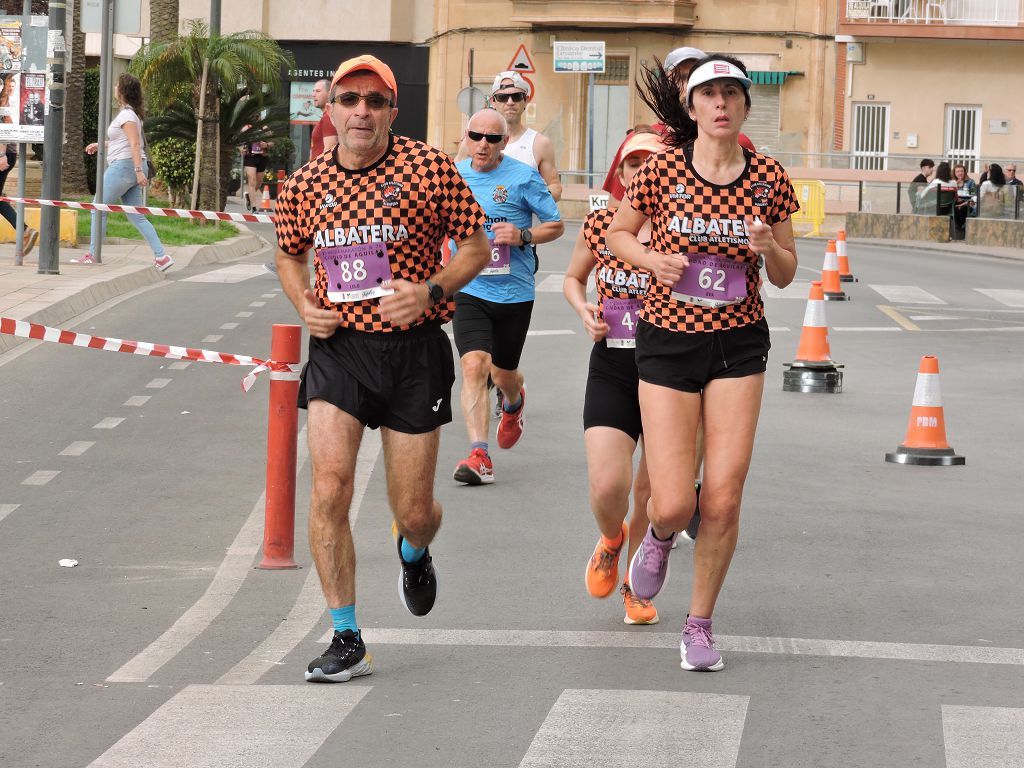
<point>163,263</point>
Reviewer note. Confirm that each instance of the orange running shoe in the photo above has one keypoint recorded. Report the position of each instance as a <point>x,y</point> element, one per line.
<point>510,428</point>
<point>603,567</point>
<point>637,611</point>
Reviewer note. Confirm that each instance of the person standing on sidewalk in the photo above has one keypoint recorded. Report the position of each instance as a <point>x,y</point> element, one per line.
<point>8,157</point>
<point>374,212</point>
<point>126,174</point>
<point>716,211</point>
<point>324,136</point>
<point>492,313</point>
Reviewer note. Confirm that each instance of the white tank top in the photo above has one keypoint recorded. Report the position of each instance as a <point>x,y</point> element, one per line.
<point>522,148</point>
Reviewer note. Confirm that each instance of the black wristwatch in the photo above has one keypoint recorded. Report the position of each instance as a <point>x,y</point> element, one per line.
<point>526,235</point>
<point>436,293</point>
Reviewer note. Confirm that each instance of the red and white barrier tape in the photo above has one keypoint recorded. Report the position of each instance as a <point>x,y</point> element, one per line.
<point>286,371</point>
<point>175,213</point>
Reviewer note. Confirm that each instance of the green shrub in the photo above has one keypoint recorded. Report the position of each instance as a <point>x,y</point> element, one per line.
<point>282,153</point>
<point>175,160</point>
<point>90,118</point>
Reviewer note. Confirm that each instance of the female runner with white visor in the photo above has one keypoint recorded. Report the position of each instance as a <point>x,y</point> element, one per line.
<point>702,342</point>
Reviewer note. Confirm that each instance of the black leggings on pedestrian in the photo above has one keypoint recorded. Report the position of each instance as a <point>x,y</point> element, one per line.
<point>5,208</point>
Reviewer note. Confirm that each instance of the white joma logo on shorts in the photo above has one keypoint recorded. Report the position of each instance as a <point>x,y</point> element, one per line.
<point>438,404</point>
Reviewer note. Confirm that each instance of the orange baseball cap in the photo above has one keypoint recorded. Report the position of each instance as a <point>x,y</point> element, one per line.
<point>642,142</point>
<point>370,64</point>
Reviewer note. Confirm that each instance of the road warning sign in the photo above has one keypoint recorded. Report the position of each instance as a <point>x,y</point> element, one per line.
<point>521,62</point>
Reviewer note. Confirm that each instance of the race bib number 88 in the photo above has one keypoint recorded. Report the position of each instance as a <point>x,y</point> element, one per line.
<point>356,272</point>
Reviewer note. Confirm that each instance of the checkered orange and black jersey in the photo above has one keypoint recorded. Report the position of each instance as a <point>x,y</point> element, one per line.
<point>412,200</point>
<point>689,214</point>
<point>615,278</point>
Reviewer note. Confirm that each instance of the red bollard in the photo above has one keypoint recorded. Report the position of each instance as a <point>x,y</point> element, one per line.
<point>282,445</point>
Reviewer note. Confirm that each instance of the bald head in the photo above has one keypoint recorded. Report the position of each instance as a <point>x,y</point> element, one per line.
<point>486,136</point>
<point>488,121</point>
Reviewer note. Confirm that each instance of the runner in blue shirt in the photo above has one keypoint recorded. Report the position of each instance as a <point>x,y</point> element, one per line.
<point>492,313</point>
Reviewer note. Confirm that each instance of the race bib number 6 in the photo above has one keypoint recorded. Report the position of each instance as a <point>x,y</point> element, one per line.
<point>356,272</point>
<point>712,281</point>
<point>501,260</point>
<point>621,317</point>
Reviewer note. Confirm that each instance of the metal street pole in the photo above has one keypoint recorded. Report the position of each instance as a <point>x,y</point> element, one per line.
<point>106,88</point>
<point>19,231</point>
<point>53,139</point>
<point>590,130</point>
<point>214,17</point>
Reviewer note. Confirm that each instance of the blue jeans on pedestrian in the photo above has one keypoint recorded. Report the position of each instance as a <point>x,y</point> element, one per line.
<point>120,186</point>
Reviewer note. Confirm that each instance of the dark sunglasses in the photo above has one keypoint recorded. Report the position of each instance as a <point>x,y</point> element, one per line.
<point>373,100</point>
<point>492,138</point>
<point>507,97</point>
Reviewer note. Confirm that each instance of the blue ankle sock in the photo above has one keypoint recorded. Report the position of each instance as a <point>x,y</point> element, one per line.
<point>411,554</point>
<point>481,446</point>
<point>344,618</point>
<point>508,407</point>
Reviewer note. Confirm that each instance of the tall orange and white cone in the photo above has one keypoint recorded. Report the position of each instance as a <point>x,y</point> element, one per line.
<point>265,201</point>
<point>845,276</point>
<point>830,275</point>
<point>925,442</point>
<point>813,370</point>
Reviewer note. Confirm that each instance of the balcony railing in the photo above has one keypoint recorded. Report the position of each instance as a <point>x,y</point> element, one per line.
<point>978,13</point>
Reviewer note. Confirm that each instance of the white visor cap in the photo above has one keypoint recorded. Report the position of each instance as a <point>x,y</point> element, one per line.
<point>715,70</point>
<point>679,55</point>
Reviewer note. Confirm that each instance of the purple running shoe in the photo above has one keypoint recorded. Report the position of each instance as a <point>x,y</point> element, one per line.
<point>649,567</point>
<point>697,648</point>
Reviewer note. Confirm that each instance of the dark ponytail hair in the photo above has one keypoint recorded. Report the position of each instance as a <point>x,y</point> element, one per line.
<point>660,91</point>
<point>130,90</point>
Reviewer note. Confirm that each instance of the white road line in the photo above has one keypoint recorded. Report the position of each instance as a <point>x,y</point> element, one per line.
<point>798,289</point>
<point>551,333</point>
<point>778,328</point>
<point>226,582</point>
<point>789,646</point>
<point>1007,296</point>
<point>213,338</point>
<point>179,365</point>
<point>233,274</point>
<point>553,283</point>
<point>6,509</point>
<point>158,383</point>
<point>77,448</point>
<point>935,317</point>
<point>229,326</point>
<point>243,314</point>
<point>109,423</point>
<point>268,296</point>
<point>621,729</point>
<point>136,401</point>
<point>257,303</point>
<point>309,606</point>
<point>983,737</point>
<point>41,477</point>
<point>211,726</point>
<point>867,328</point>
<point>906,294</point>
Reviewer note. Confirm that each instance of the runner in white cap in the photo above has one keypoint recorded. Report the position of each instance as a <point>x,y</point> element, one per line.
<point>716,210</point>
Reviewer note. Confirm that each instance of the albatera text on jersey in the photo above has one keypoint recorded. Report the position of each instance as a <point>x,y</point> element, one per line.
<point>359,235</point>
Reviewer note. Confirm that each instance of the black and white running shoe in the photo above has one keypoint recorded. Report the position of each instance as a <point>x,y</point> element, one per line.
<point>345,659</point>
<point>417,583</point>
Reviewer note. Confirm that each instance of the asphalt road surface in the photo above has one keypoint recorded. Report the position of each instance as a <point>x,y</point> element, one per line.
<point>871,616</point>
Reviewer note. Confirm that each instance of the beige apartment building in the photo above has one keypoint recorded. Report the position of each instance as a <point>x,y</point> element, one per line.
<point>886,81</point>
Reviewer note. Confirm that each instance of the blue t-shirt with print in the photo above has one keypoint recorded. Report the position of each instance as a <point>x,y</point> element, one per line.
<point>512,192</point>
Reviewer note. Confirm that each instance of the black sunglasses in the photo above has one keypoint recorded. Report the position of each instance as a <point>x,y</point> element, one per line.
<point>517,96</point>
<point>492,138</point>
<point>373,100</point>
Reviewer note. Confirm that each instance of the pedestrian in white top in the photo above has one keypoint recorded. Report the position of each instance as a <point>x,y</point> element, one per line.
<point>126,174</point>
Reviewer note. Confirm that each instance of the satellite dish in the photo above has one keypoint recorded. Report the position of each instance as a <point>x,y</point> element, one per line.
<point>471,100</point>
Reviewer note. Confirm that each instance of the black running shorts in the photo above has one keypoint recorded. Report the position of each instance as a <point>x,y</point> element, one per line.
<point>487,326</point>
<point>401,380</point>
<point>259,162</point>
<point>688,361</point>
<point>612,391</point>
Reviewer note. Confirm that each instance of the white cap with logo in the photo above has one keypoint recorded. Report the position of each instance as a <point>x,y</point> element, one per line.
<point>679,55</point>
<point>715,70</point>
<point>517,82</point>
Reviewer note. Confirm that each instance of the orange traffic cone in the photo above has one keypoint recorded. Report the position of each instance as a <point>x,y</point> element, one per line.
<point>265,202</point>
<point>845,276</point>
<point>925,442</point>
<point>830,275</point>
<point>814,370</point>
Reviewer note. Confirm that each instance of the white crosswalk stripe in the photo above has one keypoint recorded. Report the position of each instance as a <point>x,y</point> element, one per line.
<point>906,294</point>
<point>233,274</point>
<point>242,726</point>
<point>983,737</point>
<point>798,289</point>
<point>1007,296</point>
<point>553,283</point>
<point>614,728</point>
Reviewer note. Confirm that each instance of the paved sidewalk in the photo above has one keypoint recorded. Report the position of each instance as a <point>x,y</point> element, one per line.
<point>54,299</point>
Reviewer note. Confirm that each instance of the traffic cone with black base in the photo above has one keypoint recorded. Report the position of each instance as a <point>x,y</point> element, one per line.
<point>830,275</point>
<point>814,370</point>
<point>845,276</point>
<point>926,431</point>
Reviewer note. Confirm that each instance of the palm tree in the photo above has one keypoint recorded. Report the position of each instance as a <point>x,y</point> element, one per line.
<point>250,61</point>
<point>73,176</point>
<point>163,20</point>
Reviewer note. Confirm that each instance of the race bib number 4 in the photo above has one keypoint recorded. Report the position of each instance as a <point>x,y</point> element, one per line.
<point>620,315</point>
<point>501,260</point>
<point>356,272</point>
<point>712,281</point>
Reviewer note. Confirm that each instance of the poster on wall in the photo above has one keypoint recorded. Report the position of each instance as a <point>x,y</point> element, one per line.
<point>302,110</point>
<point>23,92</point>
